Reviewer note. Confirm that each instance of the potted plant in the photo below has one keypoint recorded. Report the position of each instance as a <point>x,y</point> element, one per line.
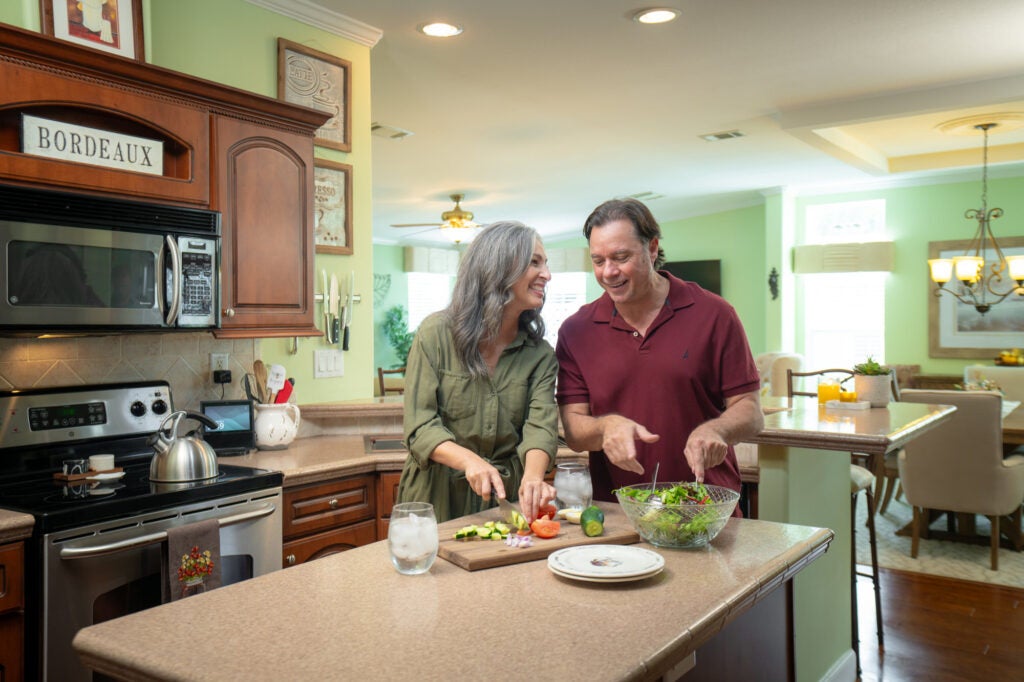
<point>872,382</point>
<point>396,331</point>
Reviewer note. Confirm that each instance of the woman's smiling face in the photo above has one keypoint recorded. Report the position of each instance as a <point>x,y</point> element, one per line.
<point>528,291</point>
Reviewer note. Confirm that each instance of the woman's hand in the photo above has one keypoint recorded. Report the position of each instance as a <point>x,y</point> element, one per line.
<point>534,492</point>
<point>483,478</point>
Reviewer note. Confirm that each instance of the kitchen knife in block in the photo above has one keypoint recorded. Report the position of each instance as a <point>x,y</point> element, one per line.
<point>335,297</point>
<point>349,295</point>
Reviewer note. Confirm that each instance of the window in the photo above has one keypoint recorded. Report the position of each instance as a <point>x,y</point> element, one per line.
<point>844,312</point>
<point>428,293</point>
<point>564,295</point>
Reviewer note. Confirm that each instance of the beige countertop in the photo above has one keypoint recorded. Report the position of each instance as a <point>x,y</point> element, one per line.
<point>310,460</point>
<point>15,526</point>
<point>873,431</point>
<point>352,616</point>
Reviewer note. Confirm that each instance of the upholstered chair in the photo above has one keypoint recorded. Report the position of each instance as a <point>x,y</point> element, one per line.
<point>958,466</point>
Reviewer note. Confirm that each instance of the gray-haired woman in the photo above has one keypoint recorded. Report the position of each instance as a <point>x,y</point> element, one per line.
<point>480,415</point>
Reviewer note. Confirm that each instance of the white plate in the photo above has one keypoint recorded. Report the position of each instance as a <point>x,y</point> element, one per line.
<point>606,561</point>
<point>631,578</point>
<point>112,476</point>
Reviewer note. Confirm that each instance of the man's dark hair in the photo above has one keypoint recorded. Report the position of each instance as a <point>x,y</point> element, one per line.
<point>636,212</point>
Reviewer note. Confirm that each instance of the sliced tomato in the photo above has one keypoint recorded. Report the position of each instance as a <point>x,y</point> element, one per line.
<point>547,509</point>
<point>545,527</point>
<point>524,531</point>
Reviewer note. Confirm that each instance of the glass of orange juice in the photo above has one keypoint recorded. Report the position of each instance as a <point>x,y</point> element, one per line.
<point>828,389</point>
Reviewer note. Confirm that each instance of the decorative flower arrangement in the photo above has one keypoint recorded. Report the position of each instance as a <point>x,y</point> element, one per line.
<point>195,566</point>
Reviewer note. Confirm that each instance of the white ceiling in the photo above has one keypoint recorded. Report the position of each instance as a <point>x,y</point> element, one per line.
<point>542,109</point>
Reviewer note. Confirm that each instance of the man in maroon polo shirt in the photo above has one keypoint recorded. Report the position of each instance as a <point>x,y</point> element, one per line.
<point>656,370</point>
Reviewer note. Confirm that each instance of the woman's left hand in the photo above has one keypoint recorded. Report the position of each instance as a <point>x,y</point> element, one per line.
<point>533,493</point>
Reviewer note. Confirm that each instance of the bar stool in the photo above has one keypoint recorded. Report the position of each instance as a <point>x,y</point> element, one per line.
<point>862,480</point>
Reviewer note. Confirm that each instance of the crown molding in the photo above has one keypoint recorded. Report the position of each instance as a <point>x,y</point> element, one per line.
<point>314,15</point>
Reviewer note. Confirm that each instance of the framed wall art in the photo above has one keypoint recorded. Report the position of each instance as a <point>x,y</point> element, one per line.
<point>113,26</point>
<point>332,207</point>
<point>319,81</point>
<point>957,330</point>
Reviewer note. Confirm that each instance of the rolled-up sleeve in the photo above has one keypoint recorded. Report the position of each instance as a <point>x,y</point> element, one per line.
<point>422,423</point>
<point>540,430</point>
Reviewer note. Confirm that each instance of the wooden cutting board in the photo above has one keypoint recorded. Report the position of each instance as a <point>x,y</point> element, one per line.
<point>475,554</point>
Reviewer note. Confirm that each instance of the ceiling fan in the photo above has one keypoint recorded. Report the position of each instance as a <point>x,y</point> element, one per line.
<point>457,223</point>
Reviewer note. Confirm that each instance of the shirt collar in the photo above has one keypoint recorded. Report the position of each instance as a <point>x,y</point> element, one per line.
<point>679,296</point>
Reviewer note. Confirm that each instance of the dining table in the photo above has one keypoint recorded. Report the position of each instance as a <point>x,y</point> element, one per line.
<point>1013,429</point>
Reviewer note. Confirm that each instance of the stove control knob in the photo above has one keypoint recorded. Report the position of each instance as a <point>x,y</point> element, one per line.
<point>137,408</point>
<point>159,406</point>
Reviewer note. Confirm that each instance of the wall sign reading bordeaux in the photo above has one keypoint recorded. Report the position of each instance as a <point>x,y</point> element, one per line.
<point>70,142</point>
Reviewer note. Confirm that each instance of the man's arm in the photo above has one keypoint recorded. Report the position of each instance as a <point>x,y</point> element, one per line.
<point>612,433</point>
<point>709,443</point>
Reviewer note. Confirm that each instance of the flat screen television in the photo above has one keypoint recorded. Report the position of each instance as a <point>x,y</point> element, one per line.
<point>707,273</point>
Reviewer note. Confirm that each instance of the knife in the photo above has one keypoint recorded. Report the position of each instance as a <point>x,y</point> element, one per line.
<point>327,308</point>
<point>335,322</point>
<point>348,308</point>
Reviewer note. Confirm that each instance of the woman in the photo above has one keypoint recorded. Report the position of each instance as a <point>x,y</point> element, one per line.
<point>480,416</point>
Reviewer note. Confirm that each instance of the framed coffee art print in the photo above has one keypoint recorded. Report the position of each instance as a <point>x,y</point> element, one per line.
<point>319,81</point>
<point>113,26</point>
<point>332,207</point>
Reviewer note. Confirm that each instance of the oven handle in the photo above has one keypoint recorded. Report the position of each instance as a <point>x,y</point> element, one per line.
<point>68,553</point>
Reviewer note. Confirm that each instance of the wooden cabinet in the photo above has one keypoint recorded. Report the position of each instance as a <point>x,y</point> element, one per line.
<point>387,493</point>
<point>264,180</point>
<point>12,616</point>
<point>326,518</point>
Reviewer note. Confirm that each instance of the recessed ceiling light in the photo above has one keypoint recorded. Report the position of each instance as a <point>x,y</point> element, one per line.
<point>440,29</point>
<point>656,15</point>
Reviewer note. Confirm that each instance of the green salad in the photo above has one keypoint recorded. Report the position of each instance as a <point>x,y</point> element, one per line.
<point>677,516</point>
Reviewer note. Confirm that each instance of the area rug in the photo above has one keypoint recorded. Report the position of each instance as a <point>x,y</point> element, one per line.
<point>935,557</point>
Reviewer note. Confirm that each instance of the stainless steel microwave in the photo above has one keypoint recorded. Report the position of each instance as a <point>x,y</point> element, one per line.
<point>74,262</point>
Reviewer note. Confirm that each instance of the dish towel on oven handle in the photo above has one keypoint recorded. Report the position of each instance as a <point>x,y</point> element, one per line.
<point>191,560</point>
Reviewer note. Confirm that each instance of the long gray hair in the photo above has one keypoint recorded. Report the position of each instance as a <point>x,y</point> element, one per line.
<point>494,261</point>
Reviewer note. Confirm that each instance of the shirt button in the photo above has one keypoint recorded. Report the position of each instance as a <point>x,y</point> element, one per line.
<point>636,333</point>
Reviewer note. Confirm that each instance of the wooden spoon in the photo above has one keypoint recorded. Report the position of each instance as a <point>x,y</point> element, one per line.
<point>259,371</point>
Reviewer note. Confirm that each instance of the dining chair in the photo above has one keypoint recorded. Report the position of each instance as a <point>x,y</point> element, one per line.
<point>958,467</point>
<point>386,387</point>
<point>862,479</point>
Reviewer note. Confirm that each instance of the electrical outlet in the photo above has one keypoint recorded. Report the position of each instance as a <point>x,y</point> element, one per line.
<point>219,361</point>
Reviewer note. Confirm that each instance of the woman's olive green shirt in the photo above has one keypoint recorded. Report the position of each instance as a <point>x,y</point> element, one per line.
<point>500,417</point>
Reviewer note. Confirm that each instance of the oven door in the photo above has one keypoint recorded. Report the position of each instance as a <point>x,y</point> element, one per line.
<point>111,569</point>
<point>57,276</point>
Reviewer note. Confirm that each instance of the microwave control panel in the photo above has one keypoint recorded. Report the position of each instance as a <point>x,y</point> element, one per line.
<point>198,292</point>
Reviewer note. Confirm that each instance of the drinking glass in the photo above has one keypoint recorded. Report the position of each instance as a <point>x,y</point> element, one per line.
<point>573,487</point>
<point>828,389</point>
<point>412,537</point>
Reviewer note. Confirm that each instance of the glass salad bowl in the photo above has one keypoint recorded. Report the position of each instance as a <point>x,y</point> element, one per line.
<point>678,515</point>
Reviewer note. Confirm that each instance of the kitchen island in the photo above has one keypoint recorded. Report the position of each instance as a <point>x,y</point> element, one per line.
<point>352,616</point>
<point>804,458</point>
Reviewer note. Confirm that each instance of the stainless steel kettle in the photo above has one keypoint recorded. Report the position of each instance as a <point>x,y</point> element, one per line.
<point>185,458</point>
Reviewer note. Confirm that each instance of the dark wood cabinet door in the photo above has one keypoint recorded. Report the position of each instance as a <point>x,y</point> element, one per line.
<point>12,619</point>
<point>331,542</point>
<point>264,190</point>
<point>329,505</point>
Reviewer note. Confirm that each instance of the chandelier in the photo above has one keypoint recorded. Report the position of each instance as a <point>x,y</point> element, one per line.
<point>980,269</point>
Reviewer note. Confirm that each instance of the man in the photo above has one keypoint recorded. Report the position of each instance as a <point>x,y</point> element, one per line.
<point>657,370</point>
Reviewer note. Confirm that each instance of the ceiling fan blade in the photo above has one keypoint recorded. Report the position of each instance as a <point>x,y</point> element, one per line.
<point>416,225</point>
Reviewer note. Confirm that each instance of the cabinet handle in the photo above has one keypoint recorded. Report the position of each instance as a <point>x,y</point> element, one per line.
<point>229,312</point>
<point>333,503</point>
<point>290,559</point>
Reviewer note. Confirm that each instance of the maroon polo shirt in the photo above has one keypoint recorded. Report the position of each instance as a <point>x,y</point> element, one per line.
<point>695,355</point>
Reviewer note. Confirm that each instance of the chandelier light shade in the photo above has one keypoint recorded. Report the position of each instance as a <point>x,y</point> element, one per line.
<point>984,274</point>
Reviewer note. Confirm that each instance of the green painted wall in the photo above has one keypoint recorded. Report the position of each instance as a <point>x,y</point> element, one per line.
<point>391,289</point>
<point>235,43</point>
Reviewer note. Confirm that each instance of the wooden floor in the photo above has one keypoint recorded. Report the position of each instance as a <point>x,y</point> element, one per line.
<point>939,629</point>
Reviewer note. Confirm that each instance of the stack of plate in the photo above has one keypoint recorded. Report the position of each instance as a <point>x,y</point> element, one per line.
<point>605,563</point>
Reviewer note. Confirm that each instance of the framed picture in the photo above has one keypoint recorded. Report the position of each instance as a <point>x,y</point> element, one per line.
<point>113,26</point>
<point>332,206</point>
<point>319,81</point>
<point>957,330</point>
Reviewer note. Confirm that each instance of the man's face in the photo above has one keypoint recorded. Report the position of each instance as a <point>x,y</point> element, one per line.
<point>622,264</point>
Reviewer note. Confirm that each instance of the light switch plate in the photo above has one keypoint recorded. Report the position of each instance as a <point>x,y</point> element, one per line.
<point>328,363</point>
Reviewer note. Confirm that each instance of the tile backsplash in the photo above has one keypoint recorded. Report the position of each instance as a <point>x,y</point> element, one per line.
<point>182,359</point>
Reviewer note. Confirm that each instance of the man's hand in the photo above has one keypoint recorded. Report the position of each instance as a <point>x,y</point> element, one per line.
<point>619,436</point>
<point>705,449</point>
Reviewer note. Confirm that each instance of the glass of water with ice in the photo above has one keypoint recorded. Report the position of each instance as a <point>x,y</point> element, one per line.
<point>412,537</point>
<point>573,486</point>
